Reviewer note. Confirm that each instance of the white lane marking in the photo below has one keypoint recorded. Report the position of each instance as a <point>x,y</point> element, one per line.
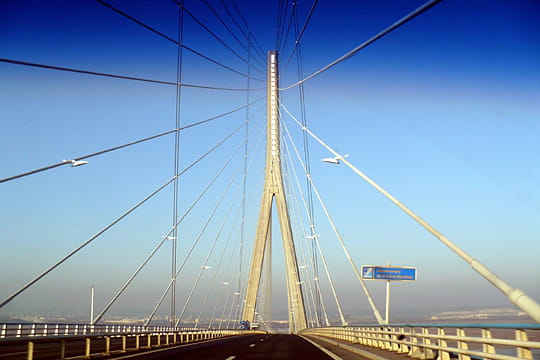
<point>252,345</point>
<point>324,350</point>
<point>14,353</point>
<point>231,357</point>
<point>351,348</point>
<point>261,339</point>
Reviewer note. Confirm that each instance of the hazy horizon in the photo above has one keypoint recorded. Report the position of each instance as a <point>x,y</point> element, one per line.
<point>442,112</point>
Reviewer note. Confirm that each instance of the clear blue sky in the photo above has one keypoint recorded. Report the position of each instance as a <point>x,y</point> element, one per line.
<point>443,112</point>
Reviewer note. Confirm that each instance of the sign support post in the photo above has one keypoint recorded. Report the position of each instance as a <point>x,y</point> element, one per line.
<point>388,273</point>
<point>388,300</point>
<point>92,305</point>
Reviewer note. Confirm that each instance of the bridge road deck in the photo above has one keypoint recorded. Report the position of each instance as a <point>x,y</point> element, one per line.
<point>271,346</point>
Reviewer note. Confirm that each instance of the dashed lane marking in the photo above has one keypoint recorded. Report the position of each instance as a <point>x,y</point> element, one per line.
<point>231,357</point>
<point>252,345</point>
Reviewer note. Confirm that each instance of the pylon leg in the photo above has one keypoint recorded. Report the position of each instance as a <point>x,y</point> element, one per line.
<point>273,187</point>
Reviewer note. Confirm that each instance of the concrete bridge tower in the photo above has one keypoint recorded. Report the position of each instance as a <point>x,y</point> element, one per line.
<point>274,189</point>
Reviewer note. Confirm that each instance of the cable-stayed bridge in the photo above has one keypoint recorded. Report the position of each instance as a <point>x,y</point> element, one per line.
<point>156,235</point>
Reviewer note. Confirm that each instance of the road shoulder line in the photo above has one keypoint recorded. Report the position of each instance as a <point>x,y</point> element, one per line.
<point>324,350</point>
<point>350,348</point>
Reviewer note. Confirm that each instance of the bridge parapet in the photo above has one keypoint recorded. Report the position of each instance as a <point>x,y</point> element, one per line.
<point>68,340</point>
<point>15,331</point>
<point>441,341</point>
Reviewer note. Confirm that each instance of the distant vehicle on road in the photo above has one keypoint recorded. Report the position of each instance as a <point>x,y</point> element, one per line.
<point>244,325</point>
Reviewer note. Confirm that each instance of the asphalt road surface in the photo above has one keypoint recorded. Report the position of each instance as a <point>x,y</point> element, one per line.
<point>238,348</point>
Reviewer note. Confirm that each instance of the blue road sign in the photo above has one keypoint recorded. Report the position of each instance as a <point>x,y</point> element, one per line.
<point>392,273</point>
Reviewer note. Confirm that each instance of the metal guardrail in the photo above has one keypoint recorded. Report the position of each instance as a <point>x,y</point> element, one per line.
<point>103,339</point>
<point>443,341</point>
<point>14,331</point>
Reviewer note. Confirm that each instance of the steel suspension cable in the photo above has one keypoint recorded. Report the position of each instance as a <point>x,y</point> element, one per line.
<point>282,17</point>
<point>213,34</point>
<point>237,294</point>
<point>242,281</point>
<point>166,37</point>
<point>246,134</point>
<point>246,264</point>
<point>300,222</point>
<point>160,301</point>
<point>288,194</point>
<point>216,14</point>
<point>179,63</point>
<point>101,152</point>
<point>226,283</point>
<point>116,76</point>
<point>340,239</point>
<point>314,316</point>
<point>225,304</point>
<point>223,283</point>
<point>299,35</point>
<point>516,296</point>
<point>79,158</point>
<point>314,233</point>
<point>428,5</point>
<point>186,213</point>
<point>313,250</point>
<point>193,204</point>
<point>193,245</point>
<point>222,115</point>
<point>305,143</point>
<point>294,13</point>
<point>117,220</point>
<point>235,304</point>
<point>126,284</point>
<point>307,259</point>
<point>242,17</point>
<point>212,214</point>
<point>238,309</point>
<point>220,261</point>
<point>229,13</point>
<point>278,22</point>
<point>262,52</point>
<point>257,146</point>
